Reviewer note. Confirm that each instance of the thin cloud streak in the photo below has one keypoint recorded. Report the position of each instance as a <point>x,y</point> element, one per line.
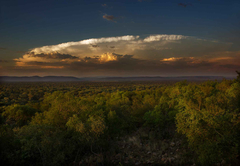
<point>184,4</point>
<point>153,38</point>
<point>104,5</point>
<point>109,17</point>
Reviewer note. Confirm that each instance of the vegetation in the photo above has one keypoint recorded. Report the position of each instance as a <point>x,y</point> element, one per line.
<point>67,123</point>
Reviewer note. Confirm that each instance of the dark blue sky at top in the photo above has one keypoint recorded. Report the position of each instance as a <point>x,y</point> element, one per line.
<point>25,24</point>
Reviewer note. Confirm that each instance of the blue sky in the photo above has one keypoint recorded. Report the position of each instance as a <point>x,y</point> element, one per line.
<point>28,24</point>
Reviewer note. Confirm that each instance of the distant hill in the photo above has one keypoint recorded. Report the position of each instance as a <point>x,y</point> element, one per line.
<point>107,79</point>
<point>39,79</point>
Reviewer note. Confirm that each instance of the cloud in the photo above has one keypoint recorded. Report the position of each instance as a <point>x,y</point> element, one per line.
<point>106,6</point>
<point>40,65</point>
<point>112,57</point>
<point>153,46</point>
<point>170,59</point>
<point>125,65</point>
<point>112,64</point>
<point>153,38</point>
<point>71,46</point>
<point>52,67</point>
<point>128,44</point>
<point>3,48</point>
<point>184,4</point>
<point>32,59</point>
<point>53,55</point>
<point>109,17</point>
<point>128,65</point>
<point>187,61</point>
<point>133,55</point>
<point>44,57</point>
<point>94,45</point>
<point>107,57</point>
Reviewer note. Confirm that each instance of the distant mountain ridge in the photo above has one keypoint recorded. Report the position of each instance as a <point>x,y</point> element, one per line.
<point>38,79</point>
<point>106,79</point>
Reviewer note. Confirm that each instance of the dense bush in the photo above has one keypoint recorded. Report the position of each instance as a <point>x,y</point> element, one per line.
<point>18,114</point>
<point>210,120</point>
<point>58,124</point>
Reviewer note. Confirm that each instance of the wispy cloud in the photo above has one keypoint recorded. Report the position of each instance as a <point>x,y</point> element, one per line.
<point>104,5</point>
<point>184,4</point>
<point>153,38</point>
<point>109,17</point>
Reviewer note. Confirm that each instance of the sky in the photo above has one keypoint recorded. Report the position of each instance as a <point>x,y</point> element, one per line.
<point>89,38</point>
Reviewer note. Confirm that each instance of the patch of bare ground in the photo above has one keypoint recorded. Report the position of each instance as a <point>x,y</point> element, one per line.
<point>144,147</point>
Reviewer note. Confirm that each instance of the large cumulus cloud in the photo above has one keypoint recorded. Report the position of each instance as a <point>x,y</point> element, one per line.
<point>130,55</point>
<point>128,44</point>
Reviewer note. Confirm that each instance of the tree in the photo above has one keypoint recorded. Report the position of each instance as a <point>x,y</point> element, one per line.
<point>210,121</point>
<point>18,114</point>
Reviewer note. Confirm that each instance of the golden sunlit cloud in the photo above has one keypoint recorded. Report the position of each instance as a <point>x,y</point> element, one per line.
<point>107,57</point>
<point>170,59</point>
<point>220,59</point>
<point>187,60</point>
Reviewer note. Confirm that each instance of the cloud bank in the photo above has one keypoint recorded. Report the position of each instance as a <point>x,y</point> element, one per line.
<point>130,55</point>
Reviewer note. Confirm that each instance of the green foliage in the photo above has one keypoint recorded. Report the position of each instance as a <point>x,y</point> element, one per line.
<point>90,130</point>
<point>210,120</point>
<point>114,123</point>
<point>160,117</point>
<point>9,146</point>
<point>59,123</point>
<point>163,115</point>
<point>45,145</point>
<point>18,114</point>
<point>60,107</point>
